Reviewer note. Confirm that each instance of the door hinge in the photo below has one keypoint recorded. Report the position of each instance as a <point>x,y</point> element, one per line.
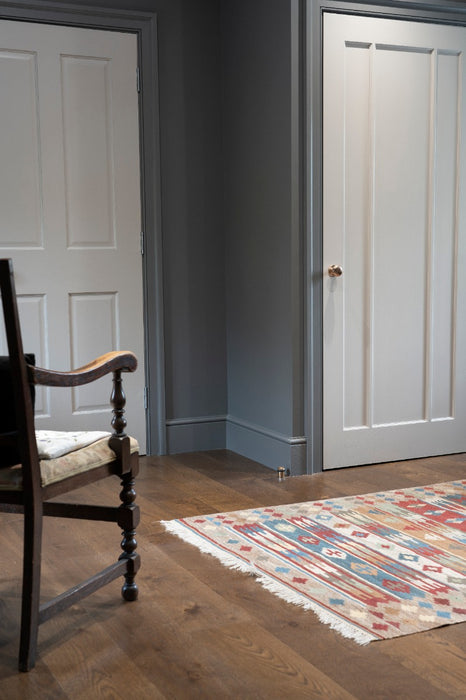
<point>142,242</point>
<point>146,397</point>
<point>138,79</point>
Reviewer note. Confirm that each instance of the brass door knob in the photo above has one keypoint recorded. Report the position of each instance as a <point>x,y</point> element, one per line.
<point>335,271</point>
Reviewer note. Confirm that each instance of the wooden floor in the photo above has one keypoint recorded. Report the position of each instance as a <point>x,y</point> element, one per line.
<point>200,630</point>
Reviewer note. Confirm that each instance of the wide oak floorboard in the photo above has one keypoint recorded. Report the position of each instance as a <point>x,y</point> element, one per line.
<point>200,630</point>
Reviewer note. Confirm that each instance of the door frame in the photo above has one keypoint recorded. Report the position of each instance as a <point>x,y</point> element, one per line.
<point>144,25</point>
<point>420,10</point>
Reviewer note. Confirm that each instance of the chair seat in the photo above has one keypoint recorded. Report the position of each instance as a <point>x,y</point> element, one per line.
<point>70,464</point>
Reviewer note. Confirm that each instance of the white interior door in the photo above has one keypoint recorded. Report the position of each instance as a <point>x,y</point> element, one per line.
<point>394,219</point>
<point>70,208</point>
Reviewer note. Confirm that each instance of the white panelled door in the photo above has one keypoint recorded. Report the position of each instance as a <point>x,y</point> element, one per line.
<point>70,208</point>
<point>394,220</point>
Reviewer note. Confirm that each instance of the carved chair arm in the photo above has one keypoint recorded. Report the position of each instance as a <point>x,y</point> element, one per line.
<point>116,361</point>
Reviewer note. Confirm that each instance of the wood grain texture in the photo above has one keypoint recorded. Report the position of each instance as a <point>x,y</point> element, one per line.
<point>116,360</point>
<point>198,629</point>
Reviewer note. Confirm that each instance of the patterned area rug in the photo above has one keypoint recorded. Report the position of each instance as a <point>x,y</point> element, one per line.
<point>373,567</point>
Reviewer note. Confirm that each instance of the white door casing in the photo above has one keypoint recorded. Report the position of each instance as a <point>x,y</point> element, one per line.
<point>70,209</point>
<point>394,219</point>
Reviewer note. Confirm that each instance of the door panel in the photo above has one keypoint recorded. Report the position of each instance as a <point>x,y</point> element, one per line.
<point>19,144</point>
<point>70,203</point>
<point>394,373</point>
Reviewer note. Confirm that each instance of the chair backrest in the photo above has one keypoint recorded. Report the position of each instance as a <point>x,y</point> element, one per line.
<point>24,434</point>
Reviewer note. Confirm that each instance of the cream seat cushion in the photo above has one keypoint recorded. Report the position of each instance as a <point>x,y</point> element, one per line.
<point>55,443</point>
<point>75,462</point>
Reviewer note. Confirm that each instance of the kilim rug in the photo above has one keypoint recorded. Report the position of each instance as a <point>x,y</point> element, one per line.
<point>373,567</point>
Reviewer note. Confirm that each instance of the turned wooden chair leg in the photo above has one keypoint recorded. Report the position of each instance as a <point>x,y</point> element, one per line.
<point>128,515</point>
<point>31,589</point>
<point>128,520</point>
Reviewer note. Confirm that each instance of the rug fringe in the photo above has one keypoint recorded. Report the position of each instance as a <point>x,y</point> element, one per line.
<point>344,628</point>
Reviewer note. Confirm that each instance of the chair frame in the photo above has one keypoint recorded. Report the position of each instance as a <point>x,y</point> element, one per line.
<point>33,499</point>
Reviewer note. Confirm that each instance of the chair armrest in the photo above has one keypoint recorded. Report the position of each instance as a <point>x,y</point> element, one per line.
<point>110,362</point>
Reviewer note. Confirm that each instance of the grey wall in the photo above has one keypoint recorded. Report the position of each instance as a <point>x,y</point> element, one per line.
<point>232,377</point>
<point>226,81</point>
<point>193,239</point>
<point>257,159</point>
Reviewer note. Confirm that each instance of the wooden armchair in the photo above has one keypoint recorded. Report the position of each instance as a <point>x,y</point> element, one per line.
<point>28,482</point>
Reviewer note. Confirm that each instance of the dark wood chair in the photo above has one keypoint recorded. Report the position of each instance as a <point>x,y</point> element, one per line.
<point>27,483</point>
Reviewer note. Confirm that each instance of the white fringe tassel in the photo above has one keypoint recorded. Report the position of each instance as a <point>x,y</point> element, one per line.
<point>232,562</point>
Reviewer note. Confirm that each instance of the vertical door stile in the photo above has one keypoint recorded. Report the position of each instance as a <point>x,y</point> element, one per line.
<point>459,139</point>
<point>370,264</point>
<point>343,252</point>
<point>431,218</point>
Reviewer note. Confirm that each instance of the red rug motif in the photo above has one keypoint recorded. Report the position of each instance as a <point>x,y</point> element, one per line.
<point>373,567</point>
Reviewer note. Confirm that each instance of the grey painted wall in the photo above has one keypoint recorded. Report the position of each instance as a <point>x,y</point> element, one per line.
<point>258,216</point>
<point>256,157</point>
<point>232,287</point>
<point>193,239</point>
